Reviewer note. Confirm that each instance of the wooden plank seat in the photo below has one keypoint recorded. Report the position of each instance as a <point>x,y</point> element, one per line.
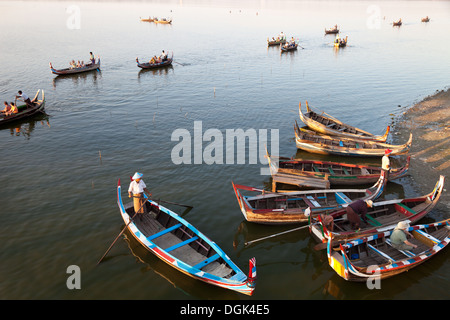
<point>156,235</point>
<point>207,261</point>
<point>342,198</point>
<point>178,245</point>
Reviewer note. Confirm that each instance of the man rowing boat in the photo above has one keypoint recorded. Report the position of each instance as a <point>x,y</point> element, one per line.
<point>25,98</point>
<point>136,191</point>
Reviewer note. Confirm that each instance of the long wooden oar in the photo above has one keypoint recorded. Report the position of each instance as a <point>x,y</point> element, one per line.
<point>178,204</point>
<point>121,232</point>
<point>276,234</point>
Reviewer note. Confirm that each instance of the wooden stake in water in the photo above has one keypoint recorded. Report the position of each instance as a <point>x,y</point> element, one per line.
<point>100,156</point>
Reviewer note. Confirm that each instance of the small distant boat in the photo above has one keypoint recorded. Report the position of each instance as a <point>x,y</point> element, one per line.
<point>326,124</point>
<point>24,111</point>
<point>333,30</point>
<point>147,19</point>
<point>289,207</point>
<point>339,42</point>
<point>289,47</point>
<point>313,142</point>
<point>374,257</point>
<point>426,19</point>
<point>163,21</point>
<point>275,42</point>
<point>149,65</point>
<point>382,216</point>
<point>179,244</point>
<point>87,67</point>
<point>397,23</point>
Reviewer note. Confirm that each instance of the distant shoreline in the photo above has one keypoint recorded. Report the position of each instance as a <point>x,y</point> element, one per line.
<point>429,122</point>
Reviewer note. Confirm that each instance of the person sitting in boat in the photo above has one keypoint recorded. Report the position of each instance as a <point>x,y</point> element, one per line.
<point>355,210</point>
<point>7,109</point>
<point>25,99</point>
<point>73,65</point>
<point>153,60</point>
<point>13,109</point>
<point>136,191</point>
<point>327,221</point>
<point>399,235</point>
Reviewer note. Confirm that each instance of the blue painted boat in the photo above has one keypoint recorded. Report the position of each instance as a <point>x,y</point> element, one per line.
<point>175,241</point>
<point>375,257</point>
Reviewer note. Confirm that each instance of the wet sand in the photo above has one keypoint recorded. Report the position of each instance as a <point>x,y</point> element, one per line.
<point>429,122</point>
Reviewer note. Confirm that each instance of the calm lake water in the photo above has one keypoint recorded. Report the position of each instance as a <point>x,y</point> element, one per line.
<point>59,175</point>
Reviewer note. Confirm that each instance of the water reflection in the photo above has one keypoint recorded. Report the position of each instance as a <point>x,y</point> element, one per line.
<point>26,127</point>
<point>79,78</point>
<point>155,72</point>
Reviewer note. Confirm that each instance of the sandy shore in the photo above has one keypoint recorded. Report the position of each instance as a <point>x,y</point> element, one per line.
<point>429,122</point>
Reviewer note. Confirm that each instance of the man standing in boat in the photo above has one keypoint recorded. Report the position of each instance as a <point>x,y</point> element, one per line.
<point>91,57</point>
<point>385,162</point>
<point>136,191</point>
<point>25,98</point>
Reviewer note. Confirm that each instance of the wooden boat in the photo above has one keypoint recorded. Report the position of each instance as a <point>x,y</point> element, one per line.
<point>289,47</point>
<point>149,65</point>
<point>86,68</point>
<point>333,30</point>
<point>147,19</point>
<point>331,174</point>
<point>397,23</point>
<point>426,19</point>
<point>373,257</point>
<point>339,43</point>
<point>163,21</point>
<point>24,111</point>
<point>179,244</point>
<point>313,142</point>
<point>383,216</point>
<point>326,124</point>
<point>289,208</point>
<point>276,42</point>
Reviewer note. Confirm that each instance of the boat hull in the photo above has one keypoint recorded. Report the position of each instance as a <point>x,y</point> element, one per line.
<point>377,259</point>
<point>67,71</point>
<point>330,145</point>
<point>237,282</point>
<point>28,112</point>
<point>162,64</point>
<point>326,124</point>
<point>289,208</point>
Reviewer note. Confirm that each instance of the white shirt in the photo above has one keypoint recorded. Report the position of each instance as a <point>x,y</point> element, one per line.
<point>137,188</point>
<point>385,163</point>
<point>24,96</point>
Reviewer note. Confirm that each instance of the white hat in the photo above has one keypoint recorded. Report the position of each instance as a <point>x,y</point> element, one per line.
<point>402,225</point>
<point>137,175</point>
